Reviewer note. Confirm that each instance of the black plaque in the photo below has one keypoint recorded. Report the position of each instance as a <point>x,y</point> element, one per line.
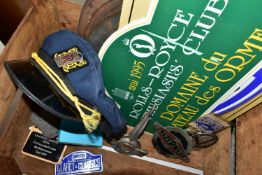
<point>38,146</point>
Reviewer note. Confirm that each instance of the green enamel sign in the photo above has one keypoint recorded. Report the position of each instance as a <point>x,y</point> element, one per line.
<point>183,58</point>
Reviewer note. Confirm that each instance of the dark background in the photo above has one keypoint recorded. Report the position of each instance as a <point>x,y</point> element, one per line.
<point>11,14</point>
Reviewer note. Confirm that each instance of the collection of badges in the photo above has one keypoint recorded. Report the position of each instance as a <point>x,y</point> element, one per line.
<point>71,90</point>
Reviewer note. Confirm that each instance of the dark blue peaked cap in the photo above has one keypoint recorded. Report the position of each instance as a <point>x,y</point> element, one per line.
<point>85,82</point>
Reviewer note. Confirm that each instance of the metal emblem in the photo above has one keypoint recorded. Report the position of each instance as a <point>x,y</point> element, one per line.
<point>176,143</point>
<point>80,162</point>
<point>129,144</point>
<point>172,142</point>
<point>68,57</point>
<point>204,140</point>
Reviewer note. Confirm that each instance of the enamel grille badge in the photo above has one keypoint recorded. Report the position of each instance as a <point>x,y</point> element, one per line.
<point>70,60</point>
<point>172,142</point>
<point>79,162</point>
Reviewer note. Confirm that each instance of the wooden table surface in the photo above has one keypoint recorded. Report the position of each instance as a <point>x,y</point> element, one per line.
<point>15,113</point>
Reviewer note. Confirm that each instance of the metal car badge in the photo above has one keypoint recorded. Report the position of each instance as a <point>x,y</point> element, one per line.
<point>176,142</point>
<point>172,142</point>
<point>79,162</point>
<point>68,57</point>
<point>129,144</point>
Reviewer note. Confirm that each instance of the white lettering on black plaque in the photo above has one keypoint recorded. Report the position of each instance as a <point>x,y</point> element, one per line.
<point>38,146</point>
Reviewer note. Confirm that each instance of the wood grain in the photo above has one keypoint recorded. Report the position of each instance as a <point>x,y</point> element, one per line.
<point>249,142</point>
<point>27,38</point>
<point>13,139</point>
<point>113,164</point>
<point>196,157</point>
<point>9,166</point>
<point>217,157</point>
<point>13,136</point>
<point>69,14</point>
<point>43,18</point>
<point>47,16</point>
